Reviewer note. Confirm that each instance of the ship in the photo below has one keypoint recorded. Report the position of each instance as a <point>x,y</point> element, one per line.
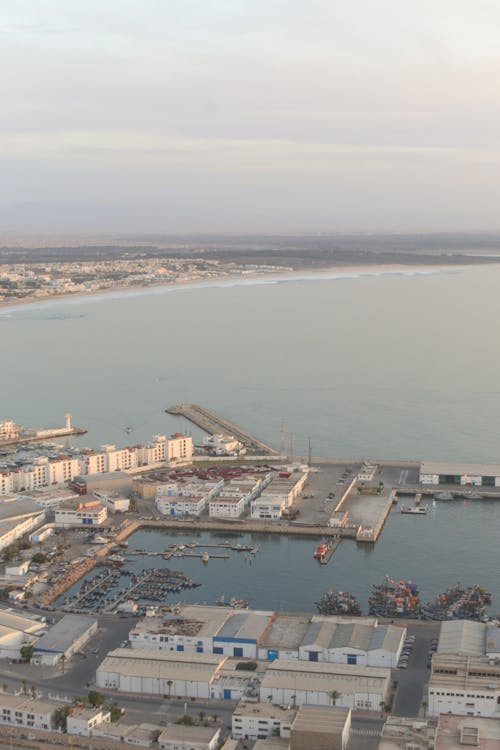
<point>415,510</point>
<point>443,495</point>
<point>395,599</point>
<point>338,603</point>
<point>459,603</point>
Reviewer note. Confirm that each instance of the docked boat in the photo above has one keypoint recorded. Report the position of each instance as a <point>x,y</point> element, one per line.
<point>205,557</point>
<point>320,551</point>
<point>444,495</point>
<point>395,599</point>
<point>459,603</point>
<point>338,603</point>
<point>116,559</point>
<point>415,510</point>
<point>472,496</point>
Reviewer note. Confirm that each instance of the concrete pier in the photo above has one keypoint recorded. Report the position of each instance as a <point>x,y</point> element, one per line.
<point>211,423</point>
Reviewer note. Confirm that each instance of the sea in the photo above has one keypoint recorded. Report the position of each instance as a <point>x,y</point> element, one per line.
<point>373,363</point>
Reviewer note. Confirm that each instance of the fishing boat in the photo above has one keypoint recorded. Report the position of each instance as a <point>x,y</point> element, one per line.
<point>415,510</point>
<point>205,558</point>
<point>443,495</point>
<point>459,603</point>
<point>395,599</point>
<point>338,603</point>
<point>320,551</point>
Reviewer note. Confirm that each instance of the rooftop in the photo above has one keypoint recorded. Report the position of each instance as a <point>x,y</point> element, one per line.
<point>16,508</point>
<point>453,469</point>
<point>64,633</point>
<point>322,676</point>
<point>455,732</point>
<point>187,734</point>
<point>464,672</point>
<point>264,710</point>
<point>286,631</point>
<point>321,719</point>
<point>462,637</point>
<point>162,664</point>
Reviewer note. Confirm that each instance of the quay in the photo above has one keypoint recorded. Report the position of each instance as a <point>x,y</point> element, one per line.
<point>212,423</point>
<point>330,549</point>
<point>18,435</point>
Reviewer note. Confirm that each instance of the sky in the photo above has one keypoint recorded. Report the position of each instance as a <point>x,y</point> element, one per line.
<point>249,115</point>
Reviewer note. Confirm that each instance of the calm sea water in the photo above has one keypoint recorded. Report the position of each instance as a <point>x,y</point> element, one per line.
<point>381,365</point>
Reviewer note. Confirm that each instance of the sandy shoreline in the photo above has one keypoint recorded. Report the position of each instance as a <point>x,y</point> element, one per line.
<point>241,279</point>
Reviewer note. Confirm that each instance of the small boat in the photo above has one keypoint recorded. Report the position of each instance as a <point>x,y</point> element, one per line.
<point>472,496</point>
<point>443,495</point>
<point>205,557</point>
<point>416,510</point>
<point>320,551</point>
<point>181,546</point>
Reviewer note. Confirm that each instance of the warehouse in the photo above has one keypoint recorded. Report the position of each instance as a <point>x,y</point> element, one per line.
<point>300,683</point>
<point>106,481</point>
<point>16,631</point>
<point>153,672</point>
<point>204,629</point>
<point>17,517</point>
<point>320,728</point>
<point>176,737</point>
<point>478,475</point>
<point>464,685</point>
<point>64,639</point>
<point>341,640</point>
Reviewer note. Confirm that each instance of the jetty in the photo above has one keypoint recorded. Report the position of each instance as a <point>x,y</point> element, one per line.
<point>17,434</point>
<point>212,423</point>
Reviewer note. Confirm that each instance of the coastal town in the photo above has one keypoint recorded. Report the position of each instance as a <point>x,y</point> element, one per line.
<point>25,282</point>
<point>98,639</point>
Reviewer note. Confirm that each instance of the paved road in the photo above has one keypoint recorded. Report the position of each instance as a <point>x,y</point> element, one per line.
<point>412,681</point>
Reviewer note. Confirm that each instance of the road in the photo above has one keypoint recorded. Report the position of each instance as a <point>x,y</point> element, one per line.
<point>412,681</point>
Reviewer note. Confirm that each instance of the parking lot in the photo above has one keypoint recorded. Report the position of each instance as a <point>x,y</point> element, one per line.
<point>413,680</point>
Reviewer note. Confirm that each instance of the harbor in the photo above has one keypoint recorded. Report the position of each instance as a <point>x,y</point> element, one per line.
<point>213,424</point>
<point>12,434</point>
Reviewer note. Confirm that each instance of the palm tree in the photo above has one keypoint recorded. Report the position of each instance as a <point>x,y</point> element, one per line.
<point>25,686</point>
<point>33,691</point>
<point>334,695</point>
<point>63,661</point>
<point>169,684</point>
<point>201,714</point>
<point>424,706</point>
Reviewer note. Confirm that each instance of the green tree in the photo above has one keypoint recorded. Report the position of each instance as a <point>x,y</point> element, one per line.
<point>95,699</point>
<point>26,651</point>
<point>424,706</point>
<point>201,714</point>
<point>187,720</point>
<point>39,558</point>
<point>169,685</point>
<point>116,711</point>
<point>59,717</point>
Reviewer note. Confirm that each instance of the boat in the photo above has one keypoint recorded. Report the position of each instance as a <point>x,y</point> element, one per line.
<point>320,551</point>
<point>181,547</point>
<point>416,510</point>
<point>472,496</point>
<point>459,603</point>
<point>338,603</point>
<point>443,495</point>
<point>116,559</point>
<point>395,599</point>
<point>205,557</point>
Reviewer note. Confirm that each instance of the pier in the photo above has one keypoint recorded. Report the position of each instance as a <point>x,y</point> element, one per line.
<point>212,423</point>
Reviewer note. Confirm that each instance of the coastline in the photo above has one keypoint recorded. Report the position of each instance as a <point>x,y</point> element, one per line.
<point>243,279</point>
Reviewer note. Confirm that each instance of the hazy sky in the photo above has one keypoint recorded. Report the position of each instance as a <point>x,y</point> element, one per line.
<point>182,115</point>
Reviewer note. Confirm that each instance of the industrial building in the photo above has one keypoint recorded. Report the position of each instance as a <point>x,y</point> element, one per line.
<point>179,737</point>
<point>466,685</point>
<point>469,638</point>
<point>320,728</point>
<point>155,672</point>
<point>78,513</point>
<point>272,635</point>
<point>312,683</point>
<point>255,721</point>
<point>17,630</point>
<point>17,517</point>
<point>478,475</point>
<point>226,507</point>
<point>402,732</point>
<point>113,501</point>
<point>267,507</point>
<point>203,629</point>
<point>64,639</point>
<point>287,486</point>
<point>106,481</point>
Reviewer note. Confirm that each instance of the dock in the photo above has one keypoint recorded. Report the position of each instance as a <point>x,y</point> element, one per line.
<point>41,435</point>
<point>330,549</point>
<point>212,423</point>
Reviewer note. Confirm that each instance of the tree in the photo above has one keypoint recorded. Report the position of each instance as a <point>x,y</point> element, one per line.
<point>116,711</point>
<point>63,662</point>
<point>187,720</point>
<point>33,691</point>
<point>424,706</point>
<point>25,686</point>
<point>95,699</point>
<point>169,684</point>
<point>27,651</point>
<point>59,717</point>
<point>39,558</point>
<point>334,695</point>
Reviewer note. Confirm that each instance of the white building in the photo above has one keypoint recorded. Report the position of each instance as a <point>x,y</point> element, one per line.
<point>16,631</point>
<point>154,672</point>
<point>464,685</point>
<point>287,486</point>
<point>469,638</point>
<point>169,505</point>
<point>6,483</point>
<point>21,711</point>
<point>64,639</point>
<point>82,721</point>
<point>321,728</point>
<point>81,513</point>
<point>224,445</point>
<point>300,683</point>
<point>267,507</point>
<point>9,430</point>
<point>179,737</point>
<point>226,507</point>
<point>17,517</point>
<point>256,721</point>
<point>479,475</point>
<point>115,503</point>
